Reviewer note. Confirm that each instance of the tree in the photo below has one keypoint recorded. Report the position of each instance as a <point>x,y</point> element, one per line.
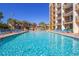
<point>12,23</point>
<point>34,25</point>
<point>22,25</point>
<point>4,26</point>
<point>42,25</point>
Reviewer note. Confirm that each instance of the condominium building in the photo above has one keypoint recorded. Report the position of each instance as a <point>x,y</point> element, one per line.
<point>76,18</point>
<point>52,16</point>
<point>66,17</point>
<point>58,16</point>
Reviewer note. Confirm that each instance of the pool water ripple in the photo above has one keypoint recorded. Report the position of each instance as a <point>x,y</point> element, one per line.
<point>39,44</point>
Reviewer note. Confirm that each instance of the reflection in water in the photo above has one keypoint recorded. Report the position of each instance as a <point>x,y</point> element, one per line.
<point>39,44</point>
<point>62,45</point>
<point>75,47</point>
<point>67,45</point>
<point>5,40</point>
<point>58,44</point>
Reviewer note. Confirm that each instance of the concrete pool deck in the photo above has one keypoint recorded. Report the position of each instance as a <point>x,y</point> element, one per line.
<point>69,34</point>
<point>10,34</point>
<point>62,33</point>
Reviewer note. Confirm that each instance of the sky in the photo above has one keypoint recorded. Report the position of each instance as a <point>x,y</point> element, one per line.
<point>32,12</point>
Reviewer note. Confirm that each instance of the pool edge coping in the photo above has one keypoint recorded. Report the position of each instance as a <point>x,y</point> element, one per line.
<point>67,35</point>
<point>13,34</point>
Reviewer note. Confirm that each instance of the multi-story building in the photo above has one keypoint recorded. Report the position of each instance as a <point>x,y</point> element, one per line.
<point>76,18</point>
<point>58,16</point>
<point>66,17</point>
<point>52,16</point>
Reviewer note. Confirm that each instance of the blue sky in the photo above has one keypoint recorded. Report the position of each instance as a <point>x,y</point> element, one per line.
<point>32,12</point>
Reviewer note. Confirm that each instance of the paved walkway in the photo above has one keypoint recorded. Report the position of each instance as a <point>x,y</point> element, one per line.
<point>69,34</point>
<point>9,34</point>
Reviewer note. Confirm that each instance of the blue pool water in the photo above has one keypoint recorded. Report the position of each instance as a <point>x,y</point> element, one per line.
<point>39,44</point>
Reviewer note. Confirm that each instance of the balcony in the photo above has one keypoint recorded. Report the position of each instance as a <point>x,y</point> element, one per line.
<point>59,11</point>
<point>59,15</point>
<point>58,23</point>
<point>52,16</point>
<point>66,22</point>
<point>52,6</point>
<point>52,10</point>
<point>52,23</point>
<point>77,7</point>
<point>68,14</point>
<point>52,19</point>
<point>77,20</point>
<point>59,6</point>
<point>59,18</point>
<point>67,5</point>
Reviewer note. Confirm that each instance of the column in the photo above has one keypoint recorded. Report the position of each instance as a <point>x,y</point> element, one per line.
<point>56,16</point>
<point>62,21</point>
<point>75,26</point>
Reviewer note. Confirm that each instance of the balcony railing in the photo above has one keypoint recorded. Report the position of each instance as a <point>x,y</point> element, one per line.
<point>52,6</point>
<point>59,12</point>
<point>52,16</point>
<point>58,23</point>
<point>52,24</point>
<point>66,22</point>
<point>59,17</point>
<point>69,13</point>
<point>68,5</point>
<point>52,19</point>
<point>59,6</point>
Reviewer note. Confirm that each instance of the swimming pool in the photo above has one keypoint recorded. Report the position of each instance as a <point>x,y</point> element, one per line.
<point>39,44</point>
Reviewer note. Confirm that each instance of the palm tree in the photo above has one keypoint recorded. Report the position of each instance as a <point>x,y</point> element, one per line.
<point>1,16</point>
<point>34,25</point>
<point>12,23</point>
<point>42,25</point>
<point>23,25</point>
<point>18,25</point>
<point>26,25</point>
